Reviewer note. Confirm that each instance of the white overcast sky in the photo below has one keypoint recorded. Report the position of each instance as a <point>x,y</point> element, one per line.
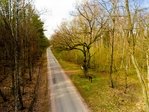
<point>53,12</point>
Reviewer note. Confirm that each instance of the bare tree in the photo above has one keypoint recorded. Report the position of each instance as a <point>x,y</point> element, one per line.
<point>132,44</point>
<point>85,30</point>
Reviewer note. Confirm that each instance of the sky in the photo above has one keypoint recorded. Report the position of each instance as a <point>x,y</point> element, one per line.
<point>53,12</point>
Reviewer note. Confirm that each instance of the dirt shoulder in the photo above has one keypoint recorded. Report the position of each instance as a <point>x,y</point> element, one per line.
<point>43,98</point>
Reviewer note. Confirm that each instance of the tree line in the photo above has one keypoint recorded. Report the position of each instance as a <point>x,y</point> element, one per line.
<point>22,42</point>
<point>109,36</point>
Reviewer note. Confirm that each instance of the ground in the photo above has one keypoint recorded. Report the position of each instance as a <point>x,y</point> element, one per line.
<point>43,98</point>
<point>42,102</point>
<point>100,96</point>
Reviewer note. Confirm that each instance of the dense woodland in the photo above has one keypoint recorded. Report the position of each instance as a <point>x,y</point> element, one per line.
<point>109,36</point>
<point>22,43</point>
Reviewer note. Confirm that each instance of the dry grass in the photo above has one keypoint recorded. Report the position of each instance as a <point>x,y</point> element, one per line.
<point>100,97</point>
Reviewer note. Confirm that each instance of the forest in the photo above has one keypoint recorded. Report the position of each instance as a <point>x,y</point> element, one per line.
<point>103,48</point>
<point>22,46</point>
<point>109,41</point>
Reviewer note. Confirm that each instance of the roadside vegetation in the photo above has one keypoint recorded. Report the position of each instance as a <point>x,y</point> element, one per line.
<point>99,96</point>
<point>107,42</point>
<point>22,47</point>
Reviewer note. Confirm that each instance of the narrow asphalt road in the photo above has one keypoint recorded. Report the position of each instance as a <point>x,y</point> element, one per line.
<point>64,96</point>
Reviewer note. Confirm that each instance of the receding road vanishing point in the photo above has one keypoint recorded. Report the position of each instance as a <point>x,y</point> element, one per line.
<point>64,96</point>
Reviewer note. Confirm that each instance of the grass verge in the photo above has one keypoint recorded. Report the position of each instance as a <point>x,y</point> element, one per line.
<point>100,97</point>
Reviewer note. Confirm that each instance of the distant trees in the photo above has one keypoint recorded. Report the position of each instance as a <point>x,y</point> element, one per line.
<point>22,42</point>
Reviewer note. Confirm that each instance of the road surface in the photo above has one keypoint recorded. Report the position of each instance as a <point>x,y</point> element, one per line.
<point>64,96</point>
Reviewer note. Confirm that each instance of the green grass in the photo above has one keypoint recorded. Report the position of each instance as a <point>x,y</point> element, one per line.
<point>100,97</point>
<point>69,65</point>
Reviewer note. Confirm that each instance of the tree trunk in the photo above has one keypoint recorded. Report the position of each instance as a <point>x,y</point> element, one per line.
<point>21,107</point>
<point>29,65</point>
<point>18,99</point>
<point>111,62</point>
<point>3,96</point>
<point>126,79</point>
<point>85,66</point>
<point>130,28</point>
<point>88,57</point>
<point>147,63</point>
<point>142,82</point>
<point>112,53</point>
<point>13,83</point>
